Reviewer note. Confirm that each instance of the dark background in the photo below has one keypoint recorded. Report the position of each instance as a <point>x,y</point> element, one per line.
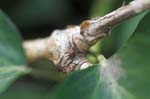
<point>38,18</point>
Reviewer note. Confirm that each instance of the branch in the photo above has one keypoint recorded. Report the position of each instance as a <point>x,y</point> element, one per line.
<point>35,49</point>
<point>66,48</point>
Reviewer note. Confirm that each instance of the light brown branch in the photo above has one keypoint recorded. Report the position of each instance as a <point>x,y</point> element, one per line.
<point>66,47</point>
<point>35,49</point>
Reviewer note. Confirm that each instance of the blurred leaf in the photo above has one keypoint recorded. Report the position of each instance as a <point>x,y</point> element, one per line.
<point>25,90</point>
<point>12,59</point>
<point>79,85</point>
<point>120,35</point>
<point>89,84</point>
<point>43,69</point>
<point>123,76</point>
<point>134,57</point>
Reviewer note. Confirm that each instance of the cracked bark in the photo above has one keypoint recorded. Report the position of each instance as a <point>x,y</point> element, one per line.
<point>66,48</point>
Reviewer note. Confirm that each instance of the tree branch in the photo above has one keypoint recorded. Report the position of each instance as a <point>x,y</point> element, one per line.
<point>35,49</point>
<point>66,48</point>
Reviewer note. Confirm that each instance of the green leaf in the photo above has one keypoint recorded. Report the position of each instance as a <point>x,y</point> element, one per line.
<point>123,76</point>
<point>26,90</point>
<point>120,35</point>
<point>89,84</point>
<point>79,85</point>
<point>12,59</point>
<point>134,58</point>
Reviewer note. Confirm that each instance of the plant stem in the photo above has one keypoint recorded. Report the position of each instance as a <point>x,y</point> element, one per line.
<point>66,48</point>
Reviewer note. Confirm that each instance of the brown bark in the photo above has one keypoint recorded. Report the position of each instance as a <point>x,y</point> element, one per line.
<point>66,48</point>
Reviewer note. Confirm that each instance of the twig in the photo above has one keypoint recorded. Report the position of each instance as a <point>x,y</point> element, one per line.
<point>66,48</point>
<point>35,49</point>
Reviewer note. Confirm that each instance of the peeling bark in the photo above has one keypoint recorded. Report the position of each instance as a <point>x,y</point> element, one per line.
<point>66,48</point>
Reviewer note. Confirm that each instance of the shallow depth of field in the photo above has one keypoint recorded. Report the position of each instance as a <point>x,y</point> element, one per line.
<point>126,51</point>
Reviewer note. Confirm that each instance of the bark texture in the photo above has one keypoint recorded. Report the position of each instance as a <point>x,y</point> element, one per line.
<point>66,48</point>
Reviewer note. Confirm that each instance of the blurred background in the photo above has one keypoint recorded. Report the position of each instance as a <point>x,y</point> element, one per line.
<point>38,18</point>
